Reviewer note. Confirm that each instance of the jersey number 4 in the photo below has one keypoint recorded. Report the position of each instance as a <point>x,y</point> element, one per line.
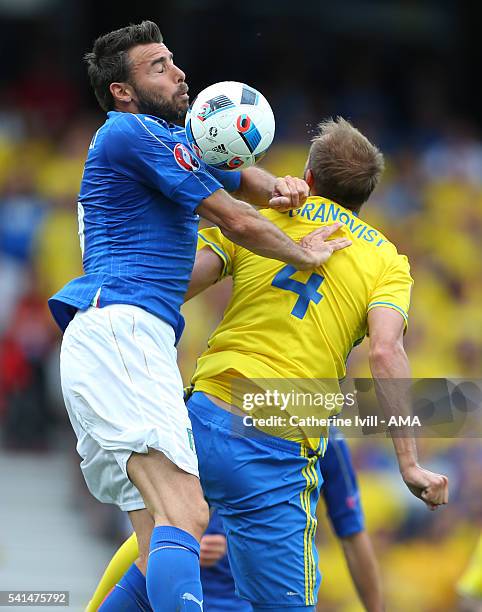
<point>308,291</point>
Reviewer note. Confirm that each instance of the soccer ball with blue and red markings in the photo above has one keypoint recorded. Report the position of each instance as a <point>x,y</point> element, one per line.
<point>230,125</point>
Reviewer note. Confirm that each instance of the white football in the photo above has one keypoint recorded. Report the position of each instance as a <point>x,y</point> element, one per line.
<point>230,125</point>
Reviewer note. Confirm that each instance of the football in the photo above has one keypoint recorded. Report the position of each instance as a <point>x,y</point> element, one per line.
<point>230,125</point>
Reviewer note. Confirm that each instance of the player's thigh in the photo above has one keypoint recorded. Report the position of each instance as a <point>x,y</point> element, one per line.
<point>122,389</point>
<point>240,471</point>
<point>272,553</point>
<point>103,472</point>
<point>172,496</point>
<point>120,376</point>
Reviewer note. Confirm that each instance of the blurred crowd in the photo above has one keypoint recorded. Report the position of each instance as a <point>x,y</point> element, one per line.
<point>429,204</point>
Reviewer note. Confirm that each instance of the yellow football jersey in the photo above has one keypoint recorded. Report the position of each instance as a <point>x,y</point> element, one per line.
<point>299,325</point>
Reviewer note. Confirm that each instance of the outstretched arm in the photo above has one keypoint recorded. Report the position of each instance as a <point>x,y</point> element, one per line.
<point>208,265</point>
<point>243,225</point>
<point>391,371</point>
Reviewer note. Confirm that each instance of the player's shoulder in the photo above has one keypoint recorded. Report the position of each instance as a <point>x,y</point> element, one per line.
<point>370,246</point>
<point>119,123</point>
<point>382,251</point>
<point>362,234</point>
<point>388,251</point>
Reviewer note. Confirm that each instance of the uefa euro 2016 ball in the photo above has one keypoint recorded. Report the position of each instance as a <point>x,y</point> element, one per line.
<point>230,125</point>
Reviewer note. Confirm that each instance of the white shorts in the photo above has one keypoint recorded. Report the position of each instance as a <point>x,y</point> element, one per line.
<point>123,392</point>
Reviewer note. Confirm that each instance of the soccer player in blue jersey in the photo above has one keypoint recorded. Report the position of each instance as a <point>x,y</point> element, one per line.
<point>141,195</point>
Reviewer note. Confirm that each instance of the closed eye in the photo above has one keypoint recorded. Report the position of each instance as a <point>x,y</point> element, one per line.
<point>162,60</point>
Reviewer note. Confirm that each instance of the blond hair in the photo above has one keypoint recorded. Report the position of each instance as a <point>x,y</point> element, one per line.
<point>346,166</point>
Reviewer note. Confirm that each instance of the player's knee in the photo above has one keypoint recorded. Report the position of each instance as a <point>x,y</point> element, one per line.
<point>191,515</point>
<point>197,518</point>
<point>197,510</point>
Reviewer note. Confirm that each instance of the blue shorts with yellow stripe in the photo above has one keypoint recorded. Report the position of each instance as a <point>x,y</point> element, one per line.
<point>266,490</point>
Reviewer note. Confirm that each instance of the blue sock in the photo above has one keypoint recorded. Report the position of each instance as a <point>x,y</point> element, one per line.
<point>173,580</point>
<point>129,595</point>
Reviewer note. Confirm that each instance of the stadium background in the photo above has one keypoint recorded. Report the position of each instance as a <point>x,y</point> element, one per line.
<point>405,72</point>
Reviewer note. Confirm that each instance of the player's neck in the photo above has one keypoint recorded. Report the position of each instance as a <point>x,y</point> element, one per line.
<point>355,211</point>
<point>127,107</point>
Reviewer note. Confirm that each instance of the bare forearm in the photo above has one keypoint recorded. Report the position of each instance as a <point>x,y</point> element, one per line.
<point>245,226</point>
<point>364,570</point>
<point>259,235</point>
<point>391,370</point>
<point>256,187</point>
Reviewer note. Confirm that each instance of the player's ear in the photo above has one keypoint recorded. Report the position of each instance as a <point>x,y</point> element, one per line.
<point>121,92</point>
<point>309,178</point>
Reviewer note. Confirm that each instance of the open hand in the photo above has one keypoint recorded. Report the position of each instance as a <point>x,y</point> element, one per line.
<point>320,247</point>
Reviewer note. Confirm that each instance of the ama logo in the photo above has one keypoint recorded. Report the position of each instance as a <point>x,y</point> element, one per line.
<point>185,158</point>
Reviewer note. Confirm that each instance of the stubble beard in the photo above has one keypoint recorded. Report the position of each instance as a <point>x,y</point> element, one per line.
<point>158,106</point>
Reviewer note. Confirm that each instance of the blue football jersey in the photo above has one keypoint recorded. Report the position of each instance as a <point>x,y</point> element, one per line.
<point>137,218</point>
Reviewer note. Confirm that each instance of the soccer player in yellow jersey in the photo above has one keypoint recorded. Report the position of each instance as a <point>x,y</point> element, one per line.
<point>284,324</point>
<point>291,328</point>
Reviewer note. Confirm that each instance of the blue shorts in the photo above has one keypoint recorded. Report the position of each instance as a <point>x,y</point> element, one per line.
<point>266,490</point>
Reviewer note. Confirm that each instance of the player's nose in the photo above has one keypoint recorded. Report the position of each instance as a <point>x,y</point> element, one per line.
<point>179,74</point>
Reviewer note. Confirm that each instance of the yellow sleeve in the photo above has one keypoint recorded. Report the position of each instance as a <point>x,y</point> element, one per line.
<point>118,566</point>
<point>213,238</point>
<point>394,287</point>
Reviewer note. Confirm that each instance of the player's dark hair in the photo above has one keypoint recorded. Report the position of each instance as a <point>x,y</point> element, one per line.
<point>108,61</point>
<point>346,166</point>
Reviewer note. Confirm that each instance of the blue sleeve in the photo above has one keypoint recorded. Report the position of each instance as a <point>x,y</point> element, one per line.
<point>143,150</point>
<point>340,488</point>
<point>230,179</point>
